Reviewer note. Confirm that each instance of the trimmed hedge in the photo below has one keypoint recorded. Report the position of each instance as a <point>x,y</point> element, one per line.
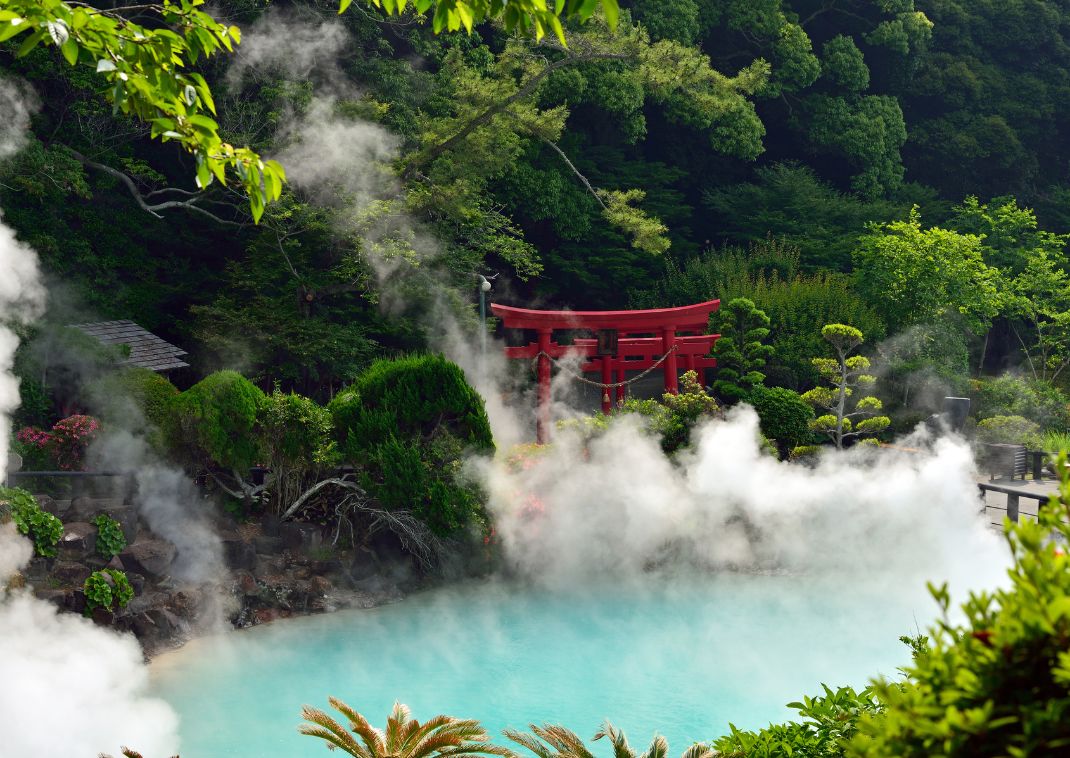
<point>785,417</point>
<point>409,422</point>
<point>216,419</point>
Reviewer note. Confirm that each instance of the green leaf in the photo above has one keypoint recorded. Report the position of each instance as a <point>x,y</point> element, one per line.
<point>30,43</point>
<point>343,5</point>
<point>15,26</point>
<point>70,50</point>
<point>612,11</point>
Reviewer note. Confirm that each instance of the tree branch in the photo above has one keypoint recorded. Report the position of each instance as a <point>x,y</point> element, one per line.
<point>428,155</point>
<point>576,171</point>
<point>155,208</point>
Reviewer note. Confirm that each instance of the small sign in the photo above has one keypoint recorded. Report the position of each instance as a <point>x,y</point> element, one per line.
<point>607,342</point>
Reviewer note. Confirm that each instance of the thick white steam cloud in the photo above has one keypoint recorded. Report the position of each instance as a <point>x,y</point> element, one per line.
<point>616,506</point>
<point>67,687</point>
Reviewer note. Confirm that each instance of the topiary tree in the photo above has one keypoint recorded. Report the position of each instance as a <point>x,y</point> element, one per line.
<point>784,416</point>
<point>217,419</point>
<point>741,352</point>
<point>408,423</point>
<point>844,373</point>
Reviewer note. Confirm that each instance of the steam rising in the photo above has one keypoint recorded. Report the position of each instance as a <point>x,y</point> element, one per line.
<point>619,508</point>
<point>69,688</point>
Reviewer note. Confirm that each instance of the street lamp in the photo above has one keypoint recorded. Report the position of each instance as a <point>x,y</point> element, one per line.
<point>484,288</point>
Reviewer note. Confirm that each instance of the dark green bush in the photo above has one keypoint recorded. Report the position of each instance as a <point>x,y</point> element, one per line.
<point>785,417</point>
<point>43,529</point>
<point>1013,430</point>
<point>151,393</point>
<point>1008,395</point>
<point>216,420</point>
<point>409,423</point>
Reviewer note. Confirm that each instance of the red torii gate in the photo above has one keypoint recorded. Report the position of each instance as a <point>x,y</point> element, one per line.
<point>621,345</point>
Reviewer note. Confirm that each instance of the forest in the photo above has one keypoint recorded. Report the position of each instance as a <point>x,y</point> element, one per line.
<point>897,165</point>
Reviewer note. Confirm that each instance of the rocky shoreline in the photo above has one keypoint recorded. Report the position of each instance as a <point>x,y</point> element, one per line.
<point>273,570</point>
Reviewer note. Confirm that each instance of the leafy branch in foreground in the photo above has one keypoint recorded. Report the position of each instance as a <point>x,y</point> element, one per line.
<point>147,75</point>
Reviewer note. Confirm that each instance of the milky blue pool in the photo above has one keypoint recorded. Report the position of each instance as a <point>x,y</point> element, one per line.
<point>682,657</point>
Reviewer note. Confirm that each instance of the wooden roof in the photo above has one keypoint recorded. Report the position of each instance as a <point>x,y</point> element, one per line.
<point>146,349</point>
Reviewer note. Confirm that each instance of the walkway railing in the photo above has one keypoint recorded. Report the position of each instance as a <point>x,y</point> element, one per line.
<point>1014,496</point>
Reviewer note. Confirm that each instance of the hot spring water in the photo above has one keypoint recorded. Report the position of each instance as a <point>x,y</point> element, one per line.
<point>682,657</point>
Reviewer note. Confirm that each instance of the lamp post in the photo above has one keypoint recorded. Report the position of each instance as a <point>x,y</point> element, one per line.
<point>484,288</point>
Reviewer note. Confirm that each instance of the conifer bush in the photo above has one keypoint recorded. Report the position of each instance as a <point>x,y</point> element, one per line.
<point>216,420</point>
<point>784,416</point>
<point>409,422</point>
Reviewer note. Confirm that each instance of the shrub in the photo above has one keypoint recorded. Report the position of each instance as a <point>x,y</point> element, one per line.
<point>785,417</point>
<point>295,436</point>
<point>63,447</point>
<point>151,393</point>
<point>110,537</point>
<point>34,445</point>
<point>410,396</point>
<point>216,420</point>
<point>108,589</point>
<point>996,682</point>
<point>43,529</point>
<point>409,423</point>
<point>70,438</point>
<point>1013,430</point>
<point>1008,395</point>
<point>674,416</point>
<point>826,723</point>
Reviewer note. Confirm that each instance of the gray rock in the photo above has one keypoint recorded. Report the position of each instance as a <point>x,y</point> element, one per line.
<point>71,573</point>
<point>56,597</point>
<point>238,553</point>
<point>299,536</point>
<point>267,545</point>
<point>363,564</point>
<point>79,540</point>
<point>55,507</point>
<point>152,558</point>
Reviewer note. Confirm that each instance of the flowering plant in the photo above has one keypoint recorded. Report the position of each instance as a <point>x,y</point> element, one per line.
<point>64,446</point>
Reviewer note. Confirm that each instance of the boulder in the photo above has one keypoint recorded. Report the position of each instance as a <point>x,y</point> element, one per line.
<point>238,553</point>
<point>267,545</point>
<point>151,558</point>
<point>71,573</point>
<point>363,564</point>
<point>56,597</point>
<point>300,537</point>
<point>79,540</point>
<point>58,508</point>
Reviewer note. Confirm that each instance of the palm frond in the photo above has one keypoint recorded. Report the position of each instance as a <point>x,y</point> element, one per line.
<point>531,743</point>
<point>398,726</point>
<point>659,748</point>
<point>621,748</point>
<point>371,737</point>
<point>326,728</point>
<point>699,750</point>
